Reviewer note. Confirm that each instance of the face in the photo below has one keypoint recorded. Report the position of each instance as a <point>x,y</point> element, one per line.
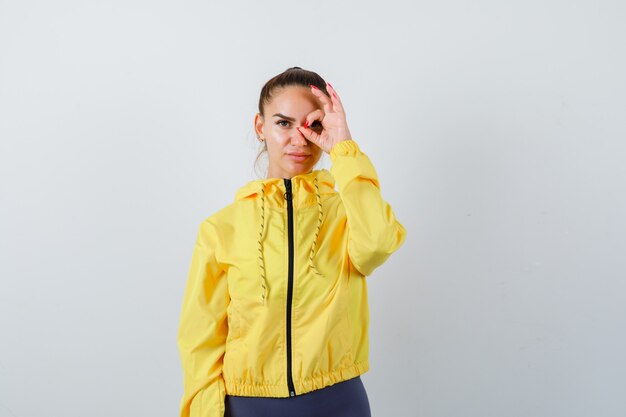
<point>289,152</point>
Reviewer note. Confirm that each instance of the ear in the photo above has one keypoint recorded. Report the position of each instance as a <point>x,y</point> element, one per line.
<point>258,124</point>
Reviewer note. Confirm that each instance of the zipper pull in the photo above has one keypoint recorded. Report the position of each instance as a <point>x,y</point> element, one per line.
<point>291,393</point>
<point>287,193</point>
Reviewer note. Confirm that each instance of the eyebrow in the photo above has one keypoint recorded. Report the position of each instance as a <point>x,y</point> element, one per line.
<point>284,117</point>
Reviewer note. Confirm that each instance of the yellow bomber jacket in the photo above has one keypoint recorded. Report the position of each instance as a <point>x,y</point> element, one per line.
<point>275,303</point>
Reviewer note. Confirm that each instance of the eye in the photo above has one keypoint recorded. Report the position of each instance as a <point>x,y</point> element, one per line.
<point>316,123</point>
<point>281,121</point>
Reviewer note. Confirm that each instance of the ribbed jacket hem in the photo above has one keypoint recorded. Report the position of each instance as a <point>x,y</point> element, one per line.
<point>307,385</point>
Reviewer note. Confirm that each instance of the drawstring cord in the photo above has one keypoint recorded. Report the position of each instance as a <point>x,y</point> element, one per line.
<point>317,229</point>
<point>260,240</point>
<point>260,246</point>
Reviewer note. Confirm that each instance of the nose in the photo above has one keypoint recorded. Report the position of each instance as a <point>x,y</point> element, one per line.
<point>297,139</point>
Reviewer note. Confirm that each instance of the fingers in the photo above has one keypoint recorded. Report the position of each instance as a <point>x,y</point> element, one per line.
<point>335,98</point>
<point>309,135</point>
<point>326,102</point>
<point>317,114</point>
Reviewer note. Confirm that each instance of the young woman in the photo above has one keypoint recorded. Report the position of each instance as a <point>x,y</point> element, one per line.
<point>275,317</point>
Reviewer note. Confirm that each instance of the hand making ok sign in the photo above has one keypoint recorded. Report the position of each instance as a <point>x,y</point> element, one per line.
<point>333,119</point>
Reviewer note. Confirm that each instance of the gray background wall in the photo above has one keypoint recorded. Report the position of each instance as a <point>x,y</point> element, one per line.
<point>497,129</point>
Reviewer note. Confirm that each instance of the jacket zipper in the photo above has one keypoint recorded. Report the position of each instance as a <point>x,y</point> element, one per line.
<point>288,197</point>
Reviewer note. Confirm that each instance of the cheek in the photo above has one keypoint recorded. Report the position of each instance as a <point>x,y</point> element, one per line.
<point>280,131</point>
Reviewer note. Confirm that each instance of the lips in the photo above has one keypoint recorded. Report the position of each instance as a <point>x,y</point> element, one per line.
<point>299,157</point>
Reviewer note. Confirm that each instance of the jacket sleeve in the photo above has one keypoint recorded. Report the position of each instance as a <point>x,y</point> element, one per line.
<point>203,329</point>
<point>374,233</point>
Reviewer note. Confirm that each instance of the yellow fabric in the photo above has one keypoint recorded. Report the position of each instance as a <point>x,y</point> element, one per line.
<point>232,335</point>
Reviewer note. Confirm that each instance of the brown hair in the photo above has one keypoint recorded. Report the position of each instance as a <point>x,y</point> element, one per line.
<point>295,76</point>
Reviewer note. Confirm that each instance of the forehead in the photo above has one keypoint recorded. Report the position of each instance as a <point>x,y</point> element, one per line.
<point>292,100</point>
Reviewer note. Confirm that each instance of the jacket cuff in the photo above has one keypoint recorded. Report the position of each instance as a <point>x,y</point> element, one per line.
<point>350,163</point>
<point>345,148</point>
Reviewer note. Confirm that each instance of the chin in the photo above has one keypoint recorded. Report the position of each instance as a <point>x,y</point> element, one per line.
<point>296,169</point>
<point>300,169</point>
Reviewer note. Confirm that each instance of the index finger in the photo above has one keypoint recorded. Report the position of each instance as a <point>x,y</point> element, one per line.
<point>336,100</point>
<point>326,103</point>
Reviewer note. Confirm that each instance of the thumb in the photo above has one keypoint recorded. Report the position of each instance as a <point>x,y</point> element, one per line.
<point>309,134</point>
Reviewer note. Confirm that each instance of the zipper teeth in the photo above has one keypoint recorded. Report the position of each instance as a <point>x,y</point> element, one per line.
<point>288,196</point>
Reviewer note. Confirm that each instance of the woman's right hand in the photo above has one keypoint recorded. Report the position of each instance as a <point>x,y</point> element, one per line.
<point>332,118</point>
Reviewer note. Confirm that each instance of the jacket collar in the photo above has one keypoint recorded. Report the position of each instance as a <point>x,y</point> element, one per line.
<point>325,182</point>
